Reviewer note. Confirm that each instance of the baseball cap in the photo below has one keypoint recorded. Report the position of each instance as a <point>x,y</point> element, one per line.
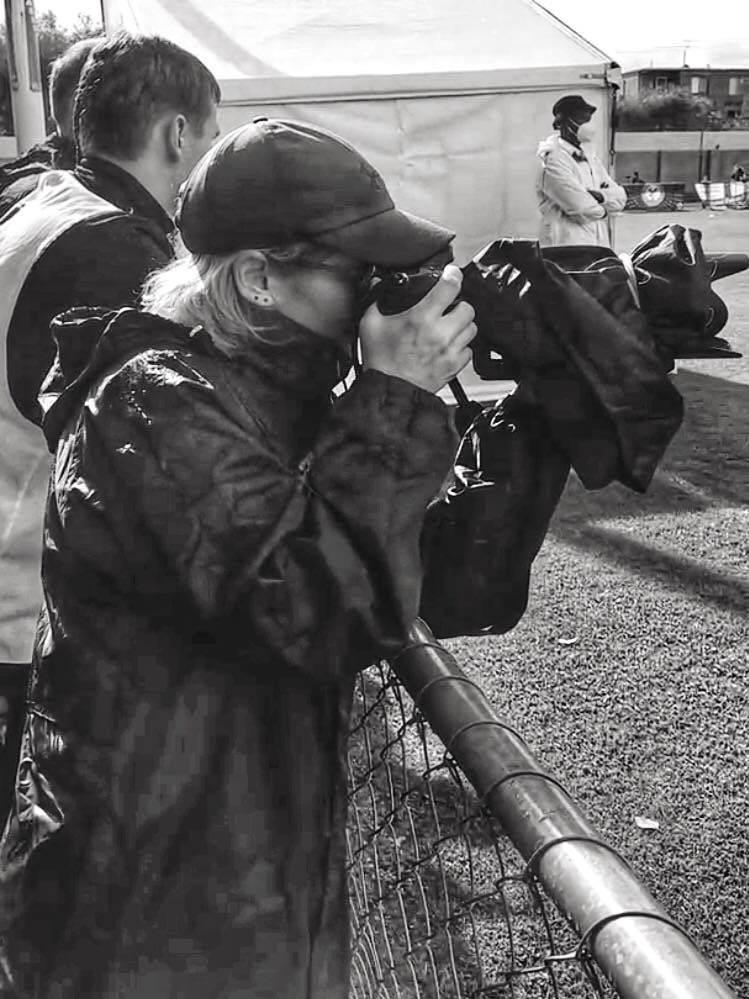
<point>272,182</point>
<point>572,103</point>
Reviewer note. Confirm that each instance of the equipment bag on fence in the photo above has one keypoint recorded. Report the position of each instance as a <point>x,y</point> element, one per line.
<point>481,538</point>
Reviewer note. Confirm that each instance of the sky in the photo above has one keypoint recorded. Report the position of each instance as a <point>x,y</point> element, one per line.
<point>634,32</point>
<point>67,11</point>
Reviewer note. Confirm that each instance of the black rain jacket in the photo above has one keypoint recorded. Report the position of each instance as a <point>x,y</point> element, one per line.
<point>224,549</point>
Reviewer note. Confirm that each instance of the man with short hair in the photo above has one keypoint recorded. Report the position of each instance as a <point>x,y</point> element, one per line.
<point>57,152</point>
<point>88,237</point>
<point>64,77</point>
<point>575,193</point>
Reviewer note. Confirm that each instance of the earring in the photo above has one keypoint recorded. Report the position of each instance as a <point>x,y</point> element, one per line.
<point>263,299</point>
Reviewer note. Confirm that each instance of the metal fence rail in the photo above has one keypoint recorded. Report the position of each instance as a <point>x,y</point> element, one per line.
<point>441,903</point>
<point>444,903</point>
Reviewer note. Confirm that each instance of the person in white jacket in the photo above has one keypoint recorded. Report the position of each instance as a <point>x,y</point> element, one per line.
<point>575,193</point>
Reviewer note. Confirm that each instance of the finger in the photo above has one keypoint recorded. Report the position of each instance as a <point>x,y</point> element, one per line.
<point>444,292</point>
<point>465,336</point>
<point>373,322</point>
<point>458,351</point>
<point>462,338</point>
<point>463,313</point>
<point>462,360</point>
<point>447,327</point>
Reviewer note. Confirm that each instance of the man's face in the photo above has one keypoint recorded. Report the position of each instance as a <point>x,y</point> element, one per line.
<point>582,117</point>
<point>197,139</point>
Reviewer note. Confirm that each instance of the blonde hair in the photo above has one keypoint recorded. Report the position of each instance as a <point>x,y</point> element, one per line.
<point>200,290</point>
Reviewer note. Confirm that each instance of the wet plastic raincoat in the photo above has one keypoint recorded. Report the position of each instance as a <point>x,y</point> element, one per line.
<point>224,549</point>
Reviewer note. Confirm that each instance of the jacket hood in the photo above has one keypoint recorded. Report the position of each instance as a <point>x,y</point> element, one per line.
<point>89,342</point>
<point>546,145</point>
<point>92,342</point>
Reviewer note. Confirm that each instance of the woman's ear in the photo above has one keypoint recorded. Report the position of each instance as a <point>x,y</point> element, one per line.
<point>250,271</point>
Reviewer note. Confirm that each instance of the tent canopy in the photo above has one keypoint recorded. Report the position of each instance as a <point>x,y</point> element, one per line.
<point>358,40</point>
<point>447,100</point>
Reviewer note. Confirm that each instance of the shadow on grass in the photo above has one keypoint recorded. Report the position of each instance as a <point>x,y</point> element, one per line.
<point>711,451</point>
<point>706,469</point>
<point>706,465</point>
<point>723,590</point>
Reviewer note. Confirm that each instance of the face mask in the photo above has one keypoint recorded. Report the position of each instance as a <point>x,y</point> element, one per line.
<point>586,132</point>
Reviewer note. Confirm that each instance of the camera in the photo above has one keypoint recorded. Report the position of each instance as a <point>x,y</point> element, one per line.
<point>518,288</point>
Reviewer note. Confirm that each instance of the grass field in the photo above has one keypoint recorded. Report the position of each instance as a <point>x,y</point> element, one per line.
<point>647,712</point>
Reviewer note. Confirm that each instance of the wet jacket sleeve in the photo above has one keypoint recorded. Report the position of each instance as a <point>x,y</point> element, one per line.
<point>561,184</point>
<point>317,563</point>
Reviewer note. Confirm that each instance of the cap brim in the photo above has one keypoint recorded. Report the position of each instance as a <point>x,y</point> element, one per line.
<point>389,239</point>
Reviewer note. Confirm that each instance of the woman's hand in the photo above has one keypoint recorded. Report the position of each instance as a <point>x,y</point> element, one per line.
<point>424,345</point>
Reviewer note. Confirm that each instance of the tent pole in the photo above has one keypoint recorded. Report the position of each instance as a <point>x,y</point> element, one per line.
<point>106,19</point>
<point>26,83</point>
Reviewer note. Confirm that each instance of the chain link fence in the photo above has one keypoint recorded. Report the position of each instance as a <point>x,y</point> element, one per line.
<point>442,903</point>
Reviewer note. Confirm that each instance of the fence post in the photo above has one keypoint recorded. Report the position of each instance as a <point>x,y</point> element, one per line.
<point>642,952</point>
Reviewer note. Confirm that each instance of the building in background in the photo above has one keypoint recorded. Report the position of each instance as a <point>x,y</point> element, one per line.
<point>727,90</point>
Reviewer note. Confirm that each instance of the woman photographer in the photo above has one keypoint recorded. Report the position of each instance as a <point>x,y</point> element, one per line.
<point>225,547</point>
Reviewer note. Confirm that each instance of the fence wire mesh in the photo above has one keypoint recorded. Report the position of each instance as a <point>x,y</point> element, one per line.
<point>441,902</point>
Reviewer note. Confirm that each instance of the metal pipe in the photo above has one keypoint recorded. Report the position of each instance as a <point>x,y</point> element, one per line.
<point>641,951</point>
<point>26,97</point>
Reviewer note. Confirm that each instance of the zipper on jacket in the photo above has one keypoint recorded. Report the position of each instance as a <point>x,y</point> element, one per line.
<point>304,468</point>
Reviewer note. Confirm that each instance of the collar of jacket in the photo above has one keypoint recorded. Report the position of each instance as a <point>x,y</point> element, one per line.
<point>575,151</point>
<point>294,358</point>
<point>302,366</point>
<point>119,187</point>
<point>61,151</point>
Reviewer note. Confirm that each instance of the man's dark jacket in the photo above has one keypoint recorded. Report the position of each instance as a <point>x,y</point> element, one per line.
<point>96,263</point>
<point>55,153</point>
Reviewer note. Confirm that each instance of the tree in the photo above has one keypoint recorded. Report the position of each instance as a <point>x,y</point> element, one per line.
<point>664,110</point>
<point>53,39</point>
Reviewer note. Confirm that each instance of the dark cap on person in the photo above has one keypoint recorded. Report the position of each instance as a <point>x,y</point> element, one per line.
<point>273,182</point>
<point>572,104</point>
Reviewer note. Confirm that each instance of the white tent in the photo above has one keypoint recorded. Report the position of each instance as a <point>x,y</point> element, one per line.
<point>447,100</point>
